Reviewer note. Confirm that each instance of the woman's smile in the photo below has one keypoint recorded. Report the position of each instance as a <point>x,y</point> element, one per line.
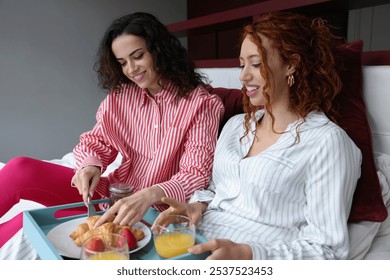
<point>251,90</point>
<point>139,77</point>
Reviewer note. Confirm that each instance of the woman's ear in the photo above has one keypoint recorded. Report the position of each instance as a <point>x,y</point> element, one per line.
<point>293,63</point>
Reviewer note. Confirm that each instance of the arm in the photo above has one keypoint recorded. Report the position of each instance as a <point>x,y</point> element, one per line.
<point>201,123</point>
<point>196,162</point>
<point>93,154</point>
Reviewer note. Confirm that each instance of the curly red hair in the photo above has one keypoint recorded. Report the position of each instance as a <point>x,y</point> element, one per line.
<point>316,79</point>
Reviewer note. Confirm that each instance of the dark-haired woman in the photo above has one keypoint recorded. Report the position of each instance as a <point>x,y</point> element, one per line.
<point>156,115</point>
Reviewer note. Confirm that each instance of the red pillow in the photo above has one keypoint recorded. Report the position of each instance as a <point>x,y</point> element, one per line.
<point>367,202</point>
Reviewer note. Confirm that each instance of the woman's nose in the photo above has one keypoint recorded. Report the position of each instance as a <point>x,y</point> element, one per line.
<point>131,68</point>
<point>245,75</point>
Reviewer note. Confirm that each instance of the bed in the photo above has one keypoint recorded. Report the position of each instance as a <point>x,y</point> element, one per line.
<point>369,240</point>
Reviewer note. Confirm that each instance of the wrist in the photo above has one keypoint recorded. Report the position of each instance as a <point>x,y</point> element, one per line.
<point>155,193</point>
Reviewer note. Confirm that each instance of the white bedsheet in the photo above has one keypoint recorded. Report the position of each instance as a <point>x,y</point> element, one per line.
<point>371,240</point>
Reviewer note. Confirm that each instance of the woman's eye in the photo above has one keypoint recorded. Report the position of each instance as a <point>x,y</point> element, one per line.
<point>256,65</point>
<point>138,57</point>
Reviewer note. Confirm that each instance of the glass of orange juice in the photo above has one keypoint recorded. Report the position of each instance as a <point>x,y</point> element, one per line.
<point>106,246</point>
<point>174,235</point>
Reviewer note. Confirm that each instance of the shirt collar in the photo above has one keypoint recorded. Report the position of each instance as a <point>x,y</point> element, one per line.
<point>313,119</point>
<point>166,94</point>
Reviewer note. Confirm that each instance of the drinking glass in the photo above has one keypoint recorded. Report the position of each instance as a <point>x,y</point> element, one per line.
<point>174,235</point>
<point>106,246</point>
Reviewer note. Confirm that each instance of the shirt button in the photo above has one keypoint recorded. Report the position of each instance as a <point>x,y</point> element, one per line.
<point>156,126</point>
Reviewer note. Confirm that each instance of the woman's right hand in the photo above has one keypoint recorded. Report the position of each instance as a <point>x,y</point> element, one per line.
<point>192,210</point>
<point>86,181</point>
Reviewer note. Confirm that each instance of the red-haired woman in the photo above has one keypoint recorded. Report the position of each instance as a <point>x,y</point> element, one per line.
<point>284,174</point>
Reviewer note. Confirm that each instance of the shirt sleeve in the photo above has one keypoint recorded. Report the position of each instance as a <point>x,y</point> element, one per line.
<point>196,162</point>
<point>332,175</point>
<point>94,147</point>
<point>207,195</point>
<point>203,195</point>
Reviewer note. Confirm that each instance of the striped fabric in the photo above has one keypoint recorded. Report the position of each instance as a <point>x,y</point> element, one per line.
<point>18,248</point>
<point>163,140</point>
<point>291,201</point>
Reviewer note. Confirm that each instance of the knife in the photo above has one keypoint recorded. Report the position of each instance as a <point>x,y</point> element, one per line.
<point>90,207</point>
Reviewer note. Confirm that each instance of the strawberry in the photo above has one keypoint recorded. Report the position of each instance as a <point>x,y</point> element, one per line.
<point>130,238</point>
<point>95,244</point>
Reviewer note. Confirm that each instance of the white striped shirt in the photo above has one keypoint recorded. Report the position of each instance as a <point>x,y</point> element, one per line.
<point>290,201</point>
<point>163,140</point>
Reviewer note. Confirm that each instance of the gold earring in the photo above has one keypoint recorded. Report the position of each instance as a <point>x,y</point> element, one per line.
<point>290,80</point>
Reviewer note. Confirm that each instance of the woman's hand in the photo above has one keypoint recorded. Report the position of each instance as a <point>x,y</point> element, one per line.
<point>130,210</point>
<point>223,249</point>
<point>86,181</point>
<point>193,211</point>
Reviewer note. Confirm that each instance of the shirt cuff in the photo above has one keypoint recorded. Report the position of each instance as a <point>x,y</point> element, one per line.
<point>90,160</point>
<point>173,189</point>
<point>258,252</point>
<point>201,196</point>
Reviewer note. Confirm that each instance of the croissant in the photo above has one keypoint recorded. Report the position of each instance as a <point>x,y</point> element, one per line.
<point>91,221</point>
<point>81,229</point>
<point>86,230</point>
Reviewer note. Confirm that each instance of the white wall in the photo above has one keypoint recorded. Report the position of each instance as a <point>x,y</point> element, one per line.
<point>48,91</point>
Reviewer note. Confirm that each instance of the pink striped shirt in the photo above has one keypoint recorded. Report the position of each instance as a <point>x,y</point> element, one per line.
<point>164,141</point>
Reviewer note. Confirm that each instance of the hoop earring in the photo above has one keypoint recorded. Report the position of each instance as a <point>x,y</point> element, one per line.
<point>290,80</point>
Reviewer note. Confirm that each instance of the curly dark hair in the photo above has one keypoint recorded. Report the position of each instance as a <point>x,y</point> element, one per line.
<point>171,60</point>
<point>317,82</point>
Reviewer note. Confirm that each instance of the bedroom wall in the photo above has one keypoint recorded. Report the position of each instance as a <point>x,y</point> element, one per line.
<point>48,91</point>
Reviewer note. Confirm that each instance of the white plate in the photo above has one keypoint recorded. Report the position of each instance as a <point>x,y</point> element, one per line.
<point>66,247</point>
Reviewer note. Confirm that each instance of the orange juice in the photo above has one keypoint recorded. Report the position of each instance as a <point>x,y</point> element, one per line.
<point>173,244</point>
<point>108,256</point>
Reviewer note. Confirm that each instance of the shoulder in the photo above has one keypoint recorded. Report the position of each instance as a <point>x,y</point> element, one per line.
<point>125,91</point>
<point>202,96</point>
<point>327,132</point>
<point>121,99</point>
<point>234,123</point>
<point>200,92</point>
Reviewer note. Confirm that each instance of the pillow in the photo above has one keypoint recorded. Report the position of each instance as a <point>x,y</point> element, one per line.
<point>367,202</point>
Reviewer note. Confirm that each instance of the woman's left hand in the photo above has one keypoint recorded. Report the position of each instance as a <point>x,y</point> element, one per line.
<point>130,210</point>
<point>223,249</point>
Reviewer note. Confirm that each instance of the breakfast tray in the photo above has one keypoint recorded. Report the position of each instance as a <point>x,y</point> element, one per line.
<point>38,222</point>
